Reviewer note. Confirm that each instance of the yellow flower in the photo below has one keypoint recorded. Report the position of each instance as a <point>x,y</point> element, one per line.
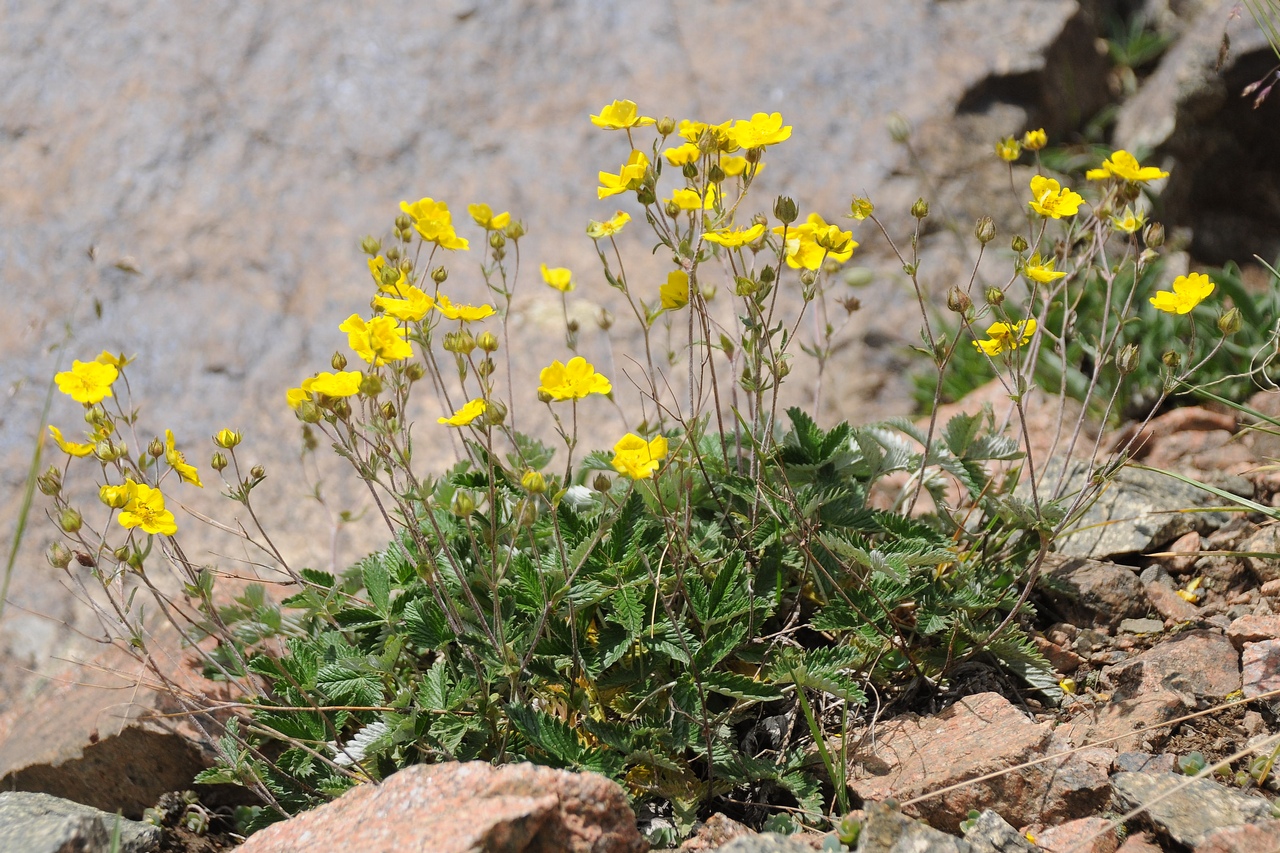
<point>187,473</point>
<point>378,341</point>
<point>1051,199</point>
<point>1125,166</point>
<point>468,413</point>
<point>861,208</point>
<point>71,448</point>
<point>297,396</point>
<point>629,177</point>
<point>1042,272</point>
<point>1034,140</point>
<point>734,166</point>
<point>412,307</point>
<point>116,361</point>
<point>675,293</point>
<point>814,240</point>
<point>485,218</point>
<point>1130,222</point>
<point>1188,292</point>
<point>533,481</point>
<point>117,497</point>
<point>732,239</point>
<point>433,221</point>
<point>687,199</point>
<point>345,383</point>
<point>683,155</point>
<point>1008,149</point>
<point>559,278</point>
<point>572,381</point>
<point>87,382</point>
<point>1003,336</point>
<point>226,438</point>
<point>636,458</point>
<point>600,230</point>
<point>465,313</point>
<point>620,115</point>
<point>146,510</point>
<point>762,129</point>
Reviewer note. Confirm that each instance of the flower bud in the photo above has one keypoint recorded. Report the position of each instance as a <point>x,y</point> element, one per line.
<point>665,126</point>
<point>1154,235</point>
<point>69,520</point>
<point>463,504</point>
<point>601,482</point>
<point>753,155</point>
<point>526,512</point>
<point>743,286</point>
<point>544,397</point>
<point>958,301</point>
<point>1230,322</point>
<point>899,128</point>
<point>985,230</point>
<point>50,482</point>
<point>689,171</point>
<point>533,482</point>
<point>487,341</point>
<point>1172,360</point>
<point>785,209</point>
<point>604,320</point>
<point>406,236</point>
<point>156,448</point>
<point>414,371</point>
<point>403,222</point>
<point>460,342</point>
<point>485,368</point>
<point>309,413</point>
<point>226,439</point>
<point>114,497</point>
<point>995,296</point>
<point>439,275</point>
<point>339,361</point>
<point>495,413</point>
<point>341,408</point>
<point>497,239</point>
<point>406,266</point>
<point>121,554</point>
<point>671,209</point>
<point>1127,359</point>
<point>715,174</point>
<point>784,369</point>
<point>393,254</point>
<point>920,209</point>
<point>514,230</point>
<point>572,326</point>
<point>860,208</point>
<point>767,275</point>
<point>370,246</point>
<point>59,555</point>
<point>109,451</point>
<point>94,414</point>
<point>218,462</point>
<point>645,195</point>
<point>808,277</point>
<point>388,410</point>
<point>371,385</point>
<point>1019,244</point>
<point>257,472</point>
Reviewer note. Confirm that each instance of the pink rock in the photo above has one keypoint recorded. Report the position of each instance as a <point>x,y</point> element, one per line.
<point>1169,604</point>
<point>1128,724</point>
<point>1140,842</point>
<point>1253,629</point>
<point>1086,835</point>
<point>980,734</point>
<point>465,807</point>
<point>1245,838</point>
<point>1196,663</point>
<point>1261,667</point>
<point>716,832</point>
<point>1187,547</point>
<point>1063,660</point>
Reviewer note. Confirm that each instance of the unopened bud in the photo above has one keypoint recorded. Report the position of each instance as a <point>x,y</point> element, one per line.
<point>439,275</point>
<point>573,326</point>
<point>109,451</point>
<point>370,246</point>
<point>414,371</point>
<point>94,414</point>
<point>226,439</point>
<point>767,275</point>
<point>497,239</point>
<point>1154,235</point>
<point>671,209</point>
<point>665,126</point>
<point>495,413</point>
<point>388,410</point>
<point>403,222</point>
<point>463,504</point>
<point>920,209</point>
<point>1172,360</point>
<point>1230,322</point>
<point>715,174</point>
<point>1127,359</point>
<point>218,462</point>
<point>899,128</point>
<point>784,369</point>
<point>753,155</point>
<point>985,230</point>
<point>371,385</point>
<point>1019,244</point>
<point>601,482</point>
<point>59,555</point>
<point>485,368</point>
<point>156,448</point>
<point>341,408</point>
<point>526,512</point>
<point>689,171</point>
<point>460,342</point>
<point>406,236</point>
<point>121,554</point>
<point>995,296</point>
<point>50,482</point>
<point>339,361</point>
<point>958,301</point>
<point>487,341</point>
<point>406,266</point>
<point>646,195</point>
<point>533,482</point>
<point>514,230</point>
<point>808,277</point>
<point>69,520</point>
<point>785,209</point>
<point>393,254</point>
<point>308,412</point>
<point>257,472</point>
<point>604,320</point>
<point>743,286</point>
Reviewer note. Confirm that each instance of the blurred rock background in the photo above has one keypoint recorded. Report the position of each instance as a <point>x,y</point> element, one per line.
<point>223,160</point>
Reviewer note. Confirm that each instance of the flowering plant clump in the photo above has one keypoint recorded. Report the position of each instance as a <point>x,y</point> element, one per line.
<point>639,611</point>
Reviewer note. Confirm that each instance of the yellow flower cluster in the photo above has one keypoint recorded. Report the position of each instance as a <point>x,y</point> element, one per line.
<point>434,223</point>
<point>814,241</point>
<point>636,458</point>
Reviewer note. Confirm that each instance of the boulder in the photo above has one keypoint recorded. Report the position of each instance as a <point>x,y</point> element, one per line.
<point>40,823</point>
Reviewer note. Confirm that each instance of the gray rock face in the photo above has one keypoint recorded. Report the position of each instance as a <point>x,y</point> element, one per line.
<point>234,154</point>
<point>39,823</point>
<point>766,842</point>
<point>1187,809</point>
<point>1094,591</point>
<point>887,830</point>
<point>993,834</point>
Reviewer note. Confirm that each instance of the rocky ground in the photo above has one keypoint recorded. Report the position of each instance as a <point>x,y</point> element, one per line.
<point>1164,625</point>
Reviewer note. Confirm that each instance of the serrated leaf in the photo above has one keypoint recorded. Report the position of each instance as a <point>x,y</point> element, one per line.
<point>377,580</point>
<point>425,623</point>
<point>739,687</point>
<point>348,687</point>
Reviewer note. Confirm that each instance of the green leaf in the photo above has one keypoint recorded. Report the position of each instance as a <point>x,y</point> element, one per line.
<point>740,687</point>
<point>529,453</point>
<point>348,687</point>
<point>425,623</point>
<point>377,580</point>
